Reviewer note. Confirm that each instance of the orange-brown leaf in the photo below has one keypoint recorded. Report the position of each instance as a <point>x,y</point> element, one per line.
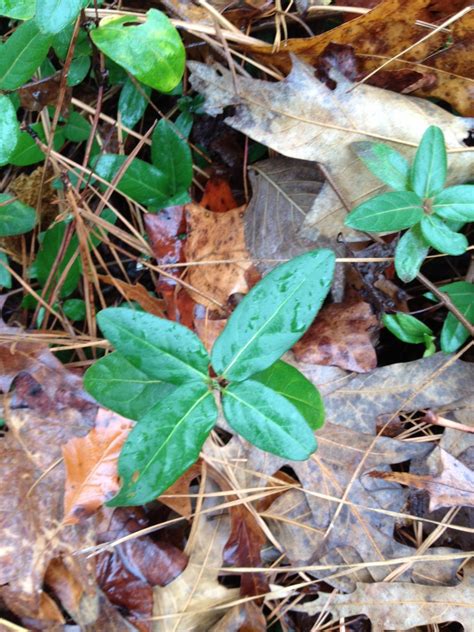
<point>91,468</point>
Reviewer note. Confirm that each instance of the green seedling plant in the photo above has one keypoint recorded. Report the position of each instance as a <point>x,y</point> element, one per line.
<point>161,375</point>
<point>411,330</point>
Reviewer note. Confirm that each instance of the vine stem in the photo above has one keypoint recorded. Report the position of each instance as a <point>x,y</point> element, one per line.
<point>447,302</point>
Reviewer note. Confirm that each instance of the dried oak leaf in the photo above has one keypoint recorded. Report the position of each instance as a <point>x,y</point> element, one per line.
<point>215,237</point>
<point>403,606</point>
<point>342,335</point>
<point>283,192</point>
<point>451,484</point>
<point>91,466</point>
<point>302,118</point>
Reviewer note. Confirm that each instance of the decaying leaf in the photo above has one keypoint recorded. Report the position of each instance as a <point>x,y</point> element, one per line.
<point>216,237</point>
<point>91,466</point>
<point>403,606</point>
<point>302,118</point>
<point>136,292</point>
<point>451,483</point>
<point>36,95</point>
<point>342,335</point>
<point>246,617</point>
<point>188,602</point>
<point>209,330</point>
<point>283,192</point>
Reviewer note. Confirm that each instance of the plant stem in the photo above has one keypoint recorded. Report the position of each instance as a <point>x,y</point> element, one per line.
<point>447,302</point>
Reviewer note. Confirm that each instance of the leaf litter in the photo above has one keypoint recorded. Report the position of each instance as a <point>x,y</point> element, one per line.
<point>244,538</point>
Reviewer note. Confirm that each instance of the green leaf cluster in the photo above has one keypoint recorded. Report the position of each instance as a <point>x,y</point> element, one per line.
<point>161,375</point>
<point>433,214</point>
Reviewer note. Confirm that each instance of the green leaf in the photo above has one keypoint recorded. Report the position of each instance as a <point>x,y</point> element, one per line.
<point>47,256</point>
<point>133,102</point>
<point>21,55</point>
<point>78,70</point>
<point>62,41</point>
<point>442,238</point>
<point>16,218</point>
<point>385,163</point>
<point>410,253</point>
<point>274,315</point>
<point>152,52</point>
<point>428,172</point>
<point>141,181</point>
<point>77,128</point>
<point>287,381</point>
<point>162,349</point>
<point>52,16</point>
<point>27,151</point>
<point>268,420</point>
<point>455,203</point>
<point>172,156</point>
<point>406,327</point>
<point>9,129</point>
<point>75,309</point>
<point>430,347</point>
<point>5,276</point>
<point>164,444</point>
<point>388,212</point>
<point>18,9</point>
<point>453,333</point>
<point>118,385</point>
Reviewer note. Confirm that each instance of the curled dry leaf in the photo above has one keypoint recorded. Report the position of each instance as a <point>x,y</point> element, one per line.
<point>403,606</point>
<point>451,483</point>
<point>302,118</point>
<point>216,237</point>
<point>91,466</point>
<point>343,335</point>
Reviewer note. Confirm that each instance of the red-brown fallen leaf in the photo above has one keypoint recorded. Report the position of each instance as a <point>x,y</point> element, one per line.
<point>218,196</point>
<point>36,95</point>
<point>65,586</point>
<point>214,237</point>
<point>91,466</point>
<point>177,496</point>
<point>450,485</point>
<point>209,330</point>
<point>342,335</point>
<point>137,293</point>
<point>129,572</point>
<point>180,306</point>
<point>243,548</point>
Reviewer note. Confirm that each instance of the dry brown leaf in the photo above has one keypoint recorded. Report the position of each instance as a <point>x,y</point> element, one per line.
<point>177,496</point>
<point>91,466</point>
<point>211,237</point>
<point>36,95</point>
<point>450,485</point>
<point>403,606</point>
<point>246,617</point>
<point>137,293</point>
<point>209,330</point>
<point>302,118</point>
<point>343,335</point>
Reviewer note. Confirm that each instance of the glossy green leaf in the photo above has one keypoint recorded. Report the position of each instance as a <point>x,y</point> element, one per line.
<point>78,70</point>
<point>133,102</point>
<point>18,9</point>
<point>77,128</point>
<point>52,16</point>
<point>62,41</point>
<point>453,333</point>
<point>388,212</point>
<point>410,253</point>
<point>430,347</point>
<point>75,309</point>
<point>171,154</point>
<point>162,349</point>
<point>287,381</point>
<point>141,181</point>
<point>164,444</point>
<point>428,172</point>
<point>47,255</point>
<point>27,152</point>
<point>268,420</point>
<point>120,386</point>
<point>406,327</point>
<point>5,276</point>
<point>441,237</point>
<point>16,218</point>
<point>385,163</point>
<point>274,315</point>
<point>455,203</point>
<point>9,129</point>
<point>22,54</point>
<point>152,52</point>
